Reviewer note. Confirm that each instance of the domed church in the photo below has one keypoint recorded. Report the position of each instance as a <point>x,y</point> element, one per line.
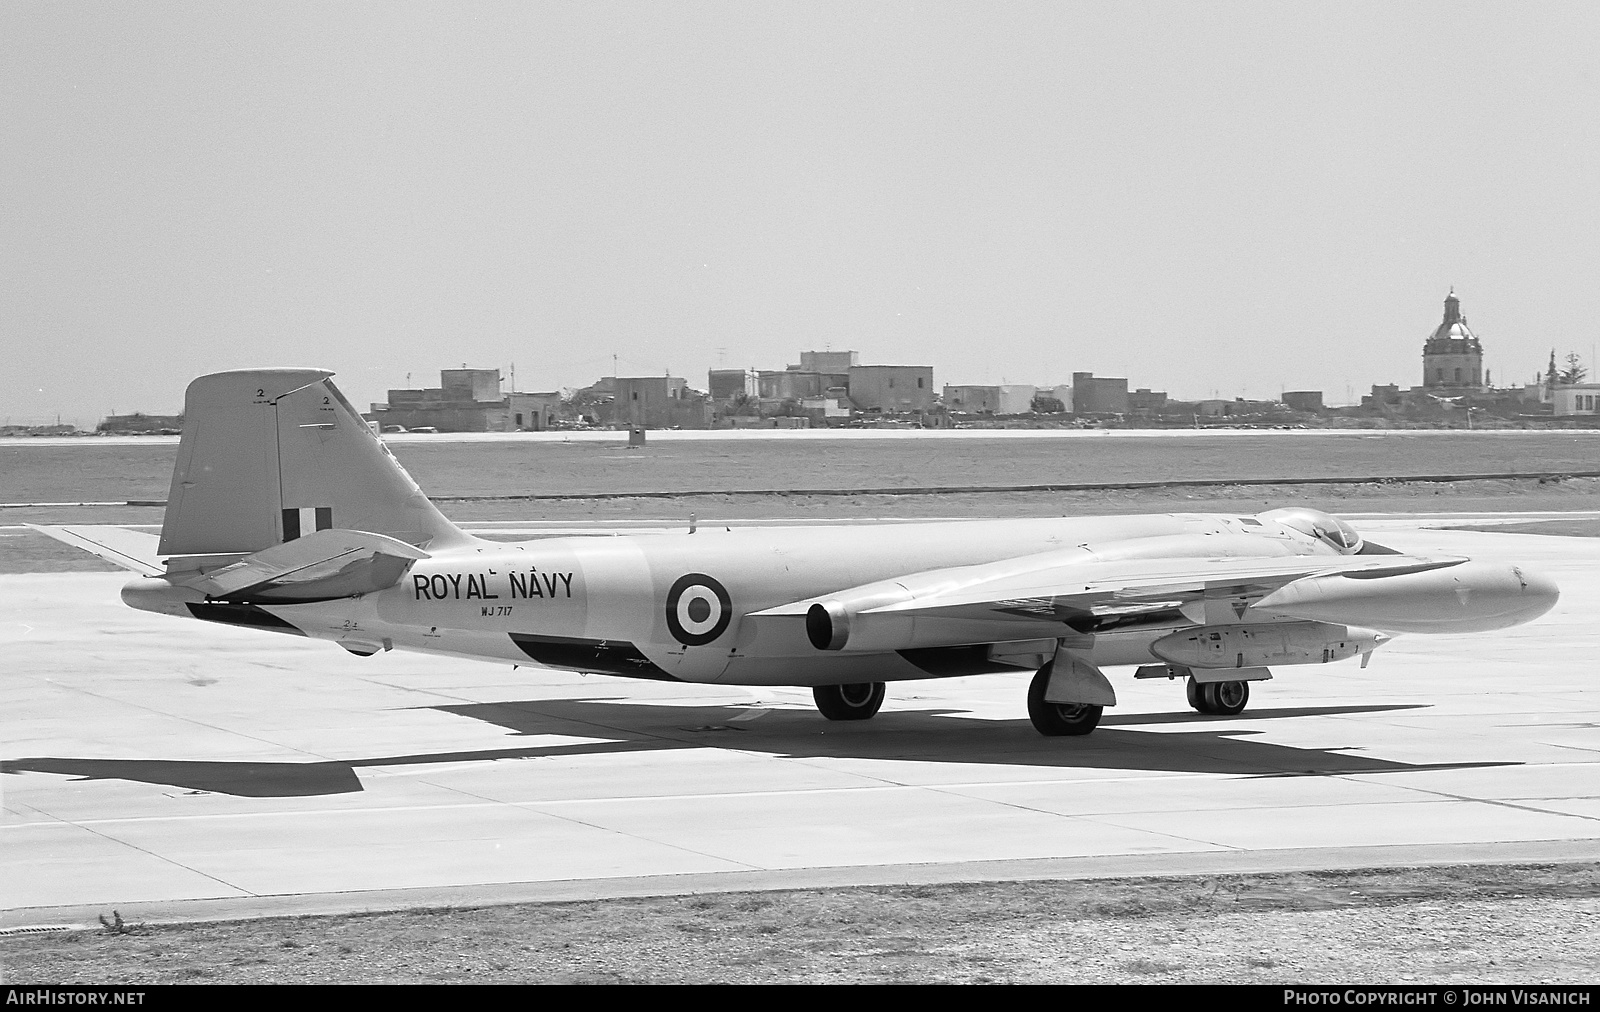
<point>1452,358</point>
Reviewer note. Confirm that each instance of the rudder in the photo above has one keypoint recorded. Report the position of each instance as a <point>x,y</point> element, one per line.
<point>269,455</point>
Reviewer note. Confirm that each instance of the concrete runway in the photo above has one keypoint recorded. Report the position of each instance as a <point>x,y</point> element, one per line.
<point>177,770</point>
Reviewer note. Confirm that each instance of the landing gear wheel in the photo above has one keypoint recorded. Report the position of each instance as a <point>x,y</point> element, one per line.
<point>1224,698</point>
<point>857,701</point>
<point>1058,719</point>
<point>1196,700</point>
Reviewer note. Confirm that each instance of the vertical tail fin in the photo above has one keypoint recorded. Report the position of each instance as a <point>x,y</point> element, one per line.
<point>269,455</point>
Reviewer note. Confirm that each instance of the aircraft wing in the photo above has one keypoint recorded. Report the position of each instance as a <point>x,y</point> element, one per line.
<point>1052,592</point>
<point>132,550</point>
<point>1135,586</point>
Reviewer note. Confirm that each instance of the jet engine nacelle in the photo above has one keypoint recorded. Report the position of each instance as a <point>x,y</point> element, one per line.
<point>881,616</point>
<point>852,625</point>
<point>1248,646</point>
<point>864,620</point>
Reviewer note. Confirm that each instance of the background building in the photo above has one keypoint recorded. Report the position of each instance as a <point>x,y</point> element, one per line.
<point>730,384</point>
<point>1384,396</point>
<point>1452,357</point>
<point>790,384</point>
<point>1576,399</point>
<point>466,400</point>
<point>533,412</point>
<point>818,374</point>
<point>1048,397</point>
<point>1005,399</point>
<point>141,424</point>
<point>1236,408</point>
<point>1146,402</point>
<point>1303,400</point>
<point>835,362</point>
<point>891,388</point>
<point>824,411</point>
<point>1103,395</point>
<point>657,402</point>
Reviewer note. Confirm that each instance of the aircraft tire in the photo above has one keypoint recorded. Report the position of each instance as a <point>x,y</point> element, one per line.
<point>1197,699</point>
<point>1225,698</point>
<point>856,701</point>
<point>1055,720</point>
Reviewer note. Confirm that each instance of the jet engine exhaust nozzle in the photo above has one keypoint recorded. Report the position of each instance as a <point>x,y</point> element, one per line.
<point>828,626</point>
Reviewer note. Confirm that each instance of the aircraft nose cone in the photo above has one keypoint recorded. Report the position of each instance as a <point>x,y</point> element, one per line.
<point>1539,591</point>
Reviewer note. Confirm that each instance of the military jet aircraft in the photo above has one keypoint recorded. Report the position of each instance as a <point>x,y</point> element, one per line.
<point>288,513</point>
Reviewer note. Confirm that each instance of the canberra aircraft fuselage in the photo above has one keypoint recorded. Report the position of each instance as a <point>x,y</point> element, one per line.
<point>679,605</point>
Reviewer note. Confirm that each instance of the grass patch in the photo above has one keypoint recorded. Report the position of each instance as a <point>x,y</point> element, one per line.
<point>1106,930</point>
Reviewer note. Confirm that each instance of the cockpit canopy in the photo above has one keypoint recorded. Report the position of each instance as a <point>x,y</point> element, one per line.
<point>1325,527</point>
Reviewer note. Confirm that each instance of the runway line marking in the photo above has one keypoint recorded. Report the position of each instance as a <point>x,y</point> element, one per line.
<point>534,805</point>
<point>1513,805</point>
<point>559,802</point>
<point>88,827</point>
<point>616,831</point>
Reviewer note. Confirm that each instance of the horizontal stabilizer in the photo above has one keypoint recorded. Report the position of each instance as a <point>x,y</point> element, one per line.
<point>331,563</point>
<point>132,550</point>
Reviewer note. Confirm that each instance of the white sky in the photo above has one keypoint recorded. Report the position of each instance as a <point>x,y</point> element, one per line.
<point>1237,198</point>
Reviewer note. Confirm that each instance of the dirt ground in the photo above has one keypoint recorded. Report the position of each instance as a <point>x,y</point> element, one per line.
<point>1460,925</point>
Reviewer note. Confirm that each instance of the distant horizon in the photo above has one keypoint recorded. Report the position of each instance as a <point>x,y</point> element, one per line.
<point>565,391</point>
<point>597,435</point>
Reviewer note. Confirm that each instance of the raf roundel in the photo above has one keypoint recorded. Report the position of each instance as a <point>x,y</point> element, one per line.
<point>698,610</point>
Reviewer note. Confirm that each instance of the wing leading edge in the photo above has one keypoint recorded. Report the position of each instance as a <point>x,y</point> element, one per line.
<point>1127,587</point>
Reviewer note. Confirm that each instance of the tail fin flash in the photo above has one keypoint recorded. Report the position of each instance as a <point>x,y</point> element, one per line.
<point>269,455</point>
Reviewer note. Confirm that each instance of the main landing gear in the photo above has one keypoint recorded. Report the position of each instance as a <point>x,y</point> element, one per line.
<point>1218,698</point>
<point>862,700</point>
<point>1058,719</point>
<point>856,701</point>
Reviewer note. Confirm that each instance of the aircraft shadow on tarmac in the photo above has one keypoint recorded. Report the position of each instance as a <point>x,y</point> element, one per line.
<point>903,735</point>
